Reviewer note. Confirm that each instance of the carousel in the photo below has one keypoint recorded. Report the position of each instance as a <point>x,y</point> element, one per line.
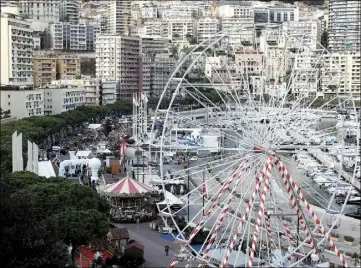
<point>131,201</point>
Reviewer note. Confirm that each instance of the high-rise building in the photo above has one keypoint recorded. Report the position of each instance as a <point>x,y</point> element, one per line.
<point>73,37</point>
<point>119,13</point>
<point>69,11</point>
<point>162,68</point>
<point>309,32</point>
<point>43,11</point>
<point>344,25</point>
<point>206,28</point>
<point>118,59</point>
<point>50,68</point>
<point>16,48</point>
<point>22,102</point>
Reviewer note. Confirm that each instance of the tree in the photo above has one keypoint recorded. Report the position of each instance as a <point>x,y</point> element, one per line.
<point>40,216</point>
<point>108,127</point>
<point>45,39</point>
<point>324,39</point>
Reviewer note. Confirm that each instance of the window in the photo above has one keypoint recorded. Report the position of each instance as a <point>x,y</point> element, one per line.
<point>8,103</point>
<point>8,96</point>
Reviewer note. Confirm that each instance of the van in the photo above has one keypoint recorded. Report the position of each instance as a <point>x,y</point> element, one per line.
<point>55,148</point>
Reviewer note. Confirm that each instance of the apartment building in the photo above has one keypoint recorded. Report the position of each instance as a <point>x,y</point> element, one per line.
<point>119,13</point>
<point>152,45</point>
<point>69,11</point>
<point>162,68</point>
<point>180,11</point>
<point>118,59</point>
<point>67,66</point>
<point>109,91</point>
<point>206,28</point>
<point>249,61</point>
<point>16,49</point>
<point>22,102</point>
<point>43,11</point>
<point>281,13</point>
<point>177,28</point>
<point>44,70</point>
<point>242,10</point>
<point>305,74</point>
<point>151,27</point>
<point>344,25</point>
<point>149,12</point>
<point>91,88</point>
<point>341,73</point>
<point>58,99</point>
<point>309,33</point>
<point>50,68</point>
<point>239,30</point>
<point>73,37</point>
<point>276,13</point>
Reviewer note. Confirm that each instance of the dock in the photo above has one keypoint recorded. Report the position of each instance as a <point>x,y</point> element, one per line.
<point>336,166</point>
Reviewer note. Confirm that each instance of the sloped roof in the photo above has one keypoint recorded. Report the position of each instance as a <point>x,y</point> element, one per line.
<point>118,233</point>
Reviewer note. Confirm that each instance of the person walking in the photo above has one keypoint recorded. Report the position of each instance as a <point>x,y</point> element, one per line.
<point>137,222</point>
<point>166,248</point>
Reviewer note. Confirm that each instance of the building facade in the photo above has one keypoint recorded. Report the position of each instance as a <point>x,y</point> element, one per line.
<point>22,103</point>
<point>206,28</point>
<point>162,68</point>
<point>61,99</point>
<point>44,70</point>
<point>118,59</point>
<point>73,37</point>
<point>344,25</point>
<point>119,13</point>
<point>17,49</point>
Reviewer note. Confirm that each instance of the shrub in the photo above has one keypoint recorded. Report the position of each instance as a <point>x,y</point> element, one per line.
<point>349,238</point>
<point>335,235</point>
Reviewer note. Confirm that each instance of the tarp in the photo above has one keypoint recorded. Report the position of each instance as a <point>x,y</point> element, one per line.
<point>82,153</point>
<point>171,199</point>
<point>127,186</point>
<point>45,169</point>
<point>94,126</point>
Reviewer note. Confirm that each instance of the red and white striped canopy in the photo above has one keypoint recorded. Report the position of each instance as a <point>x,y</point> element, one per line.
<point>127,186</point>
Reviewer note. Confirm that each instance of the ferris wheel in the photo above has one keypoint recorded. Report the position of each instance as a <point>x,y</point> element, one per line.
<point>234,110</point>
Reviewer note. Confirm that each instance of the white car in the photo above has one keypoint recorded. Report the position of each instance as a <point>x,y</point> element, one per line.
<point>194,158</point>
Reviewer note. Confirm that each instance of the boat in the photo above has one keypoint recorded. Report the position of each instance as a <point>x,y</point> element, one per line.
<point>356,215</point>
<point>355,200</point>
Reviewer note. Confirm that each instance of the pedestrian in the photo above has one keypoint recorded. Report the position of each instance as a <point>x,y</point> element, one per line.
<point>137,222</point>
<point>166,248</point>
<point>125,169</point>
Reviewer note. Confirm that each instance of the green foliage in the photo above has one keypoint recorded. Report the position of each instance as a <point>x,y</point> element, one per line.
<point>40,216</point>
<point>349,238</point>
<point>38,128</point>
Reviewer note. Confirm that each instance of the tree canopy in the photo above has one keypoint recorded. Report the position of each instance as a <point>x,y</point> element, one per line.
<point>40,217</point>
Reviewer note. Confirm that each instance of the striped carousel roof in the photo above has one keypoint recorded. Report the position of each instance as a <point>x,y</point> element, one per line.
<point>127,186</point>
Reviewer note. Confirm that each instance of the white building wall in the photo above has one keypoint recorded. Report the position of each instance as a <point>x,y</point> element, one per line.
<point>206,28</point>
<point>17,50</point>
<point>61,99</point>
<point>23,103</point>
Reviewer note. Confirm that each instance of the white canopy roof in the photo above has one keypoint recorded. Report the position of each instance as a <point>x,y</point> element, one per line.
<point>45,169</point>
<point>83,153</point>
<point>94,126</point>
<point>171,199</point>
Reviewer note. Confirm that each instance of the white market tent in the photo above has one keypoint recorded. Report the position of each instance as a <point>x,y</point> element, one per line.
<point>45,169</point>
<point>83,154</point>
<point>94,126</point>
<point>171,199</point>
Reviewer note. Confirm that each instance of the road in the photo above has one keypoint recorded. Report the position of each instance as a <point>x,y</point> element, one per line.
<point>154,253</point>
